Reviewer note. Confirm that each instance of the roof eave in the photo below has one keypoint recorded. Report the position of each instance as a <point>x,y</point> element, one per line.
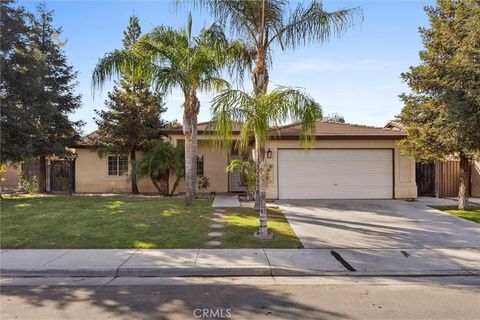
<point>343,137</point>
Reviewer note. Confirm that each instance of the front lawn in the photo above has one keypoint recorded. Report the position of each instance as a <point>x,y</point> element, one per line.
<point>473,214</point>
<point>241,223</point>
<point>126,222</point>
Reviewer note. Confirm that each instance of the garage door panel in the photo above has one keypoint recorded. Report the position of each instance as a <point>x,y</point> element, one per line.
<point>329,193</point>
<point>359,154</point>
<point>332,179</point>
<point>326,167</point>
<point>335,174</point>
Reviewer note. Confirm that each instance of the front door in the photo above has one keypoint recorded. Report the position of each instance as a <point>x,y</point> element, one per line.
<point>234,181</point>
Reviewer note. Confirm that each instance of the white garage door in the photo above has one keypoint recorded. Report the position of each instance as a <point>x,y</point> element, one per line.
<point>335,174</point>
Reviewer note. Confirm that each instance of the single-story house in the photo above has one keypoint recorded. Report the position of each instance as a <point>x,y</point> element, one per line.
<point>346,161</point>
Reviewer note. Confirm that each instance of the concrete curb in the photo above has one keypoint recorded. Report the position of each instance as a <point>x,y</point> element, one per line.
<point>58,272</point>
<point>215,272</point>
<point>193,272</point>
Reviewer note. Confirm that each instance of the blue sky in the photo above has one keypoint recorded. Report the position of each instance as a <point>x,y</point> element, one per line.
<point>357,75</point>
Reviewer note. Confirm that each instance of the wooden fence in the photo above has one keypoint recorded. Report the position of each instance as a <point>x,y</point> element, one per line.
<point>448,178</point>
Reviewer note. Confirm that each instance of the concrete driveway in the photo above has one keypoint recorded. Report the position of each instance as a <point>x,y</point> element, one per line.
<point>379,224</point>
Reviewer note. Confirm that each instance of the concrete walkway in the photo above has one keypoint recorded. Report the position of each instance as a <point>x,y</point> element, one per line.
<point>237,262</point>
<point>226,202</point>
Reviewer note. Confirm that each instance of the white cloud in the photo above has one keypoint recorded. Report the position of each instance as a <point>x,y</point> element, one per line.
<point>327,65</point>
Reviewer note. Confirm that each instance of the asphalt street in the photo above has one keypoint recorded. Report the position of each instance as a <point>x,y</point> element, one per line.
<point>242,298</point>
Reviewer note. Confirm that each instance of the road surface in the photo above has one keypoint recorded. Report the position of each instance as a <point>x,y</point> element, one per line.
<point>242,298</point>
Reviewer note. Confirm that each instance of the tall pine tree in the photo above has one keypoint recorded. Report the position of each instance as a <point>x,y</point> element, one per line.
<point>53,97</point>
<point>133,115</point>
<point>37,88</point>
<point>442,114</point>
<point>17,67</point>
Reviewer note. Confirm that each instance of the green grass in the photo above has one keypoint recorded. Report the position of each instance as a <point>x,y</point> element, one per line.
<point>473,214</point>
<point>126,222</point>
<point>241,223</point>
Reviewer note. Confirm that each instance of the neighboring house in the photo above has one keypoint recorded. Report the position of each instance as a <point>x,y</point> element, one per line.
<point>441,178</point>
<point>346,161</point>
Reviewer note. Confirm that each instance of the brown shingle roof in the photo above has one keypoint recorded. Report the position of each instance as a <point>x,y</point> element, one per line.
<point>90,140</point>
<point>202,128</point>
<point>338,130</point>
<point>324,130</point>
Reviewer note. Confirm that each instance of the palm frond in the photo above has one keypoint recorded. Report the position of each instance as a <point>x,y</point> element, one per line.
<point>290,104</point>
<point>111,66</point>
<point>228,108</point>
<point>313,24</point>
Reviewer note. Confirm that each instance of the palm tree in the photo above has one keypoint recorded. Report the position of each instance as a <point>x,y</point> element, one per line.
<point>259,113</point>
<point>265,24</point>
<point>169,59</point>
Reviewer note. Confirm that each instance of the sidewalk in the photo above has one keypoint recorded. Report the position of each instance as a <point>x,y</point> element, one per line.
<point>237,262</point>
<point>226,201</point>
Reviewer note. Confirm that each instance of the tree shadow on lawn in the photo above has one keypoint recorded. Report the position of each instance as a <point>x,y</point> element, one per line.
<point>160,302</point>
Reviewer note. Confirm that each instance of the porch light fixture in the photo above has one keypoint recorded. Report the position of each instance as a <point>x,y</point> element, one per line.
<point>269,153</point>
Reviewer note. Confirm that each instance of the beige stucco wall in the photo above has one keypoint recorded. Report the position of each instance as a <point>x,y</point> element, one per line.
<point>404,167</point>
<point>91,175</point>
<point>215,163</point>
<point>476,179</point>
<point>91,172</point>
<point>10,176</point>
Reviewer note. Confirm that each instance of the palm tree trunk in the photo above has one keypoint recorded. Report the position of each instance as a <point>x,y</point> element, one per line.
<point>187,132</point>
<point>257,178</point>
<point>260,84</point>
<point>174,188</point>
<point>464,175</point>
<point>260,73</point>
<point>133,173</point>
<point>195,107</point>
<point>263,229</point>
<point>155,184</point>
<point>194,153</point>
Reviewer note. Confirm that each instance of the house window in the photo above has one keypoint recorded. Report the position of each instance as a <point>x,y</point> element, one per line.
<point>200,164</point>
<point>117,165</point>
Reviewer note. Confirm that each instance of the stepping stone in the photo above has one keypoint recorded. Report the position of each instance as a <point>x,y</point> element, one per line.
<point>218,215</point>
<point>220,210</point>
<point>216,226</point>
<point>215,234</point>
<point>216,220</point>
<point>214,243</point>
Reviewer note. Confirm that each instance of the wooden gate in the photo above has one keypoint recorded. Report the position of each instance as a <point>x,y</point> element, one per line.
<point>425,178</point>
<point>62,176</point>
<point>448,178</point>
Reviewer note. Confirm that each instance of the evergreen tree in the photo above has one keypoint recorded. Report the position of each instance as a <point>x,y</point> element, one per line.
<point>334,117</point>
<point>133,32</point>
<point>37,88</point>
<point>53,96</point>
<point>17,65</point>
<point>133,115</point>
<point>442,114</point>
